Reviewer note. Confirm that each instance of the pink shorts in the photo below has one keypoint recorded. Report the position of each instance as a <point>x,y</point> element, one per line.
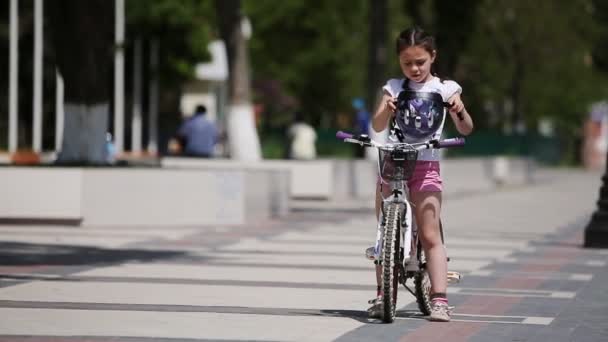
<point>426,177</point>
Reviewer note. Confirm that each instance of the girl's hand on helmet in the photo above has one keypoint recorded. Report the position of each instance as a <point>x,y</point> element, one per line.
<point>390,103</point>
<point>456,105</point>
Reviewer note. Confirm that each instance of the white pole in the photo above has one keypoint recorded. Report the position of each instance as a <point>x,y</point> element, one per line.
<point>119,75</point>
<point>153,99</point>
<point>37,122</point>
<point>58,111</point>
<point>13,73</point>
<point>136,120</point>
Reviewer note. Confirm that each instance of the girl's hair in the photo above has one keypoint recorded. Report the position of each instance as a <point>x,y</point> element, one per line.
<point>416,36</point>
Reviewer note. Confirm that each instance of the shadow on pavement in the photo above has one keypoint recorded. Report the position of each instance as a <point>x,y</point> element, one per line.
<point>361,315</point>
<point>27,254</point>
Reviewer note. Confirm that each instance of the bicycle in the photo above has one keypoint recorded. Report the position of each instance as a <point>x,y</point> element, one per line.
<point>396,164</point>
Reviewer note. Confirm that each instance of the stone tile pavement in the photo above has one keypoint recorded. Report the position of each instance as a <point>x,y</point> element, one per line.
<point>526,277</point>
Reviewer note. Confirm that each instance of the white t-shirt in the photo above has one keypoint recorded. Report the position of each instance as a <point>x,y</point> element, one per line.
<point>446,89</point>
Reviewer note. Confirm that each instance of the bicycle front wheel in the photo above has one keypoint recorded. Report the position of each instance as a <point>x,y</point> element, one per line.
<point>389,269</point>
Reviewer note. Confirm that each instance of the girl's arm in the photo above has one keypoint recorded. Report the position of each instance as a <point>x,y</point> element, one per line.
<point>384,112</point>
<point>460,116</point>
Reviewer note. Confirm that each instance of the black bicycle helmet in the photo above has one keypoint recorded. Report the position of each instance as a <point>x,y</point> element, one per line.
<point>419,114</point>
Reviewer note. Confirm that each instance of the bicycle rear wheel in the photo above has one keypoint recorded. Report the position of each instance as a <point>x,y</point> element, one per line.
<point>422,285</point>
<point>389,257</point>
<point>422,280</point>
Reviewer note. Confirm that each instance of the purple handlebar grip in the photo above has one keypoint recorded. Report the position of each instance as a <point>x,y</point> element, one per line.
<point>454,142</point>
<point>342,135</point>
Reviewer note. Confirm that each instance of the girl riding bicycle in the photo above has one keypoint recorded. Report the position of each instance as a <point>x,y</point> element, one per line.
<point>416,52</point>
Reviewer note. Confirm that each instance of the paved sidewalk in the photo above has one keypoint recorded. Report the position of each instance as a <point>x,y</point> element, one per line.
<point>526,277</point>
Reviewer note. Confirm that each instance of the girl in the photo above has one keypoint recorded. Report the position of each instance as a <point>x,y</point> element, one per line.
<point>416,52</point>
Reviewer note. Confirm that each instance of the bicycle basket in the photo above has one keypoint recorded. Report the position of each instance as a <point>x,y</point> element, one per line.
<point>397,164</point>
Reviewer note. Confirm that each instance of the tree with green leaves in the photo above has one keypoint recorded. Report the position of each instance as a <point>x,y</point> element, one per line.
<point>317,53</point>
<point>528,60</point>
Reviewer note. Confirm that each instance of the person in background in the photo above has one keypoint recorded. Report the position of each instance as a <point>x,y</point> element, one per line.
<point>595,137</point>
<point>197,135</point>
<point>303,138</point>
<point>362,123</point>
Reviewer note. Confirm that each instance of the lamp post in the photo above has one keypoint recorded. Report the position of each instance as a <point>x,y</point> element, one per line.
<point>596,232</point>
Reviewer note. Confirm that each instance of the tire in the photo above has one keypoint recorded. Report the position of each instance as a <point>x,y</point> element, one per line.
<point>389,279</point>
<point>422,281</point>
<point>422,284</point>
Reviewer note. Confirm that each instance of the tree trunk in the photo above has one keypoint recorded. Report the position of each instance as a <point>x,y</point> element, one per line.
<point>377,55</point>
<point>376,64</point>
<point>243,140</point>
<point>82,41</point>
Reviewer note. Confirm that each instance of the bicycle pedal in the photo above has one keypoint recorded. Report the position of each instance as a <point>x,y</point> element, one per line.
<point>454,277</point>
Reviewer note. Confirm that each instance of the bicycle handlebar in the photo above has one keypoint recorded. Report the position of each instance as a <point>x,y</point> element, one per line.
<point>343,135</point>
<point>446,143</point>
<point>453,142</point>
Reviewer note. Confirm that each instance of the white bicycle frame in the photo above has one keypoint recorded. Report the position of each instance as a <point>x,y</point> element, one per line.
<point>399,194</point>
<point>408,229</point>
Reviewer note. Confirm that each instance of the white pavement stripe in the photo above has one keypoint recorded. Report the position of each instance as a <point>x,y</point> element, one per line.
<point>324,260</point>
<point>595,263</point>
<point>369,238</point>
<point>532,322</point>
<point>290,259</point>
<point>187,294</point>
<point>581,277</point>
<point>504,235</point>
<point>523,319</point>
<point>511,292</point>
<point>484,242</point>
<point>210,326</point>
<point>326,237</point>
<point>482,273</point>
<point>460,265</point>
<point>533,275</point>
<point>538,320</point>
<point>97,242</point>
<point>211,272</point>
<point>473,253</point>
<point>366,230</point>
<point>554,261</point>
<point>281,246</point>
<point>123,232</point>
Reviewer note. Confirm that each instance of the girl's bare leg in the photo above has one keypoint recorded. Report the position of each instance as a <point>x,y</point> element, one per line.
<point>427,208</point>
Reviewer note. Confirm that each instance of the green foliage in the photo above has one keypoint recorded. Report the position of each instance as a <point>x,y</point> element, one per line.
<point>535,56</point>
<point>317,51</point>
<point>599,9</point>
<point>183,29</point>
